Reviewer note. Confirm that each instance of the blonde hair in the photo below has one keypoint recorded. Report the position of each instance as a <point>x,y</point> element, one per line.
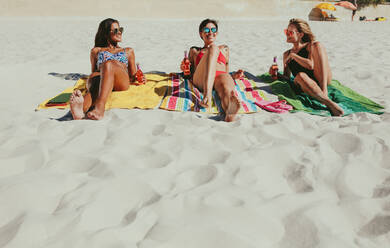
<point>303,27</point>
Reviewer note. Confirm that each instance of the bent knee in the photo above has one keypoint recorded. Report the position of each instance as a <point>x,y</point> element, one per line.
<point>110,64</point>
<point>213,48</point>
<point>300,76</point>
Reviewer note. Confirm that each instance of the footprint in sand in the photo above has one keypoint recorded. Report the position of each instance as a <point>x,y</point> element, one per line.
<point>343,143</point>
<point>10,230</point>
<point>382,190</point>
<point>218,157</point>
<point>196,177</point>
<point>297,180</point>
<point>363,75</point>
<point>385,153</point>
<point>154,160</point>
<point>159,130</point>
<point>379,225</point>
<point>245,176</point>
<point>300,232</point>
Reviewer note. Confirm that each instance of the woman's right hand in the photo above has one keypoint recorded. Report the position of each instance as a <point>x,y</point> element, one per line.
<point>183,66</point>
<point>238,74</point>
<point>270,70</point>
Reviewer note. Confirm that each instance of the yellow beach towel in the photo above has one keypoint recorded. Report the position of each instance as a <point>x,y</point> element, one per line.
<point>147,96</point>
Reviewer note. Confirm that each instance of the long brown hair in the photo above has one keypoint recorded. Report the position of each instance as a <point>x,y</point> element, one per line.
<point>103,34</point>
<point>303,27</point>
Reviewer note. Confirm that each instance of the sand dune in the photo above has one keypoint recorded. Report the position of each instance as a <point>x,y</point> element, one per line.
<point>164,179</point>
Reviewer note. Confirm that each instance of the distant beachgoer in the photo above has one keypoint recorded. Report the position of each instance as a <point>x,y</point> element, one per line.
<point>356,5</point>
<point>308,62</point>
<point>210,70</point>
<point>113,68</point>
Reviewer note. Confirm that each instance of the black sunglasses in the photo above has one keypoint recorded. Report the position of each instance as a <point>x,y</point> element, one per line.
<point>117,30</point>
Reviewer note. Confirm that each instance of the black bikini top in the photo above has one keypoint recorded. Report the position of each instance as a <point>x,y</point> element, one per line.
<point>295,67</point>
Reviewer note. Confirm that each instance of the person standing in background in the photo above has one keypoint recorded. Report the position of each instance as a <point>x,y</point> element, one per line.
<point>354,11</point>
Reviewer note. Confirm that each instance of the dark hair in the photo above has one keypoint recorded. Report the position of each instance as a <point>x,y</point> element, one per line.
<point>207,21</point>
<point>303,27</point>
<point>103,34</point>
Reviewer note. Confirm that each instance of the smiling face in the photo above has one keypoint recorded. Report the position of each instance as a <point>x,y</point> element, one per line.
<point>293,35</point>
<point>115,33</point>
<point>207,34</point>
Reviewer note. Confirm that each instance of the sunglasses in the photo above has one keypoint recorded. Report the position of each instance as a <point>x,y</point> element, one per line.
<point>289,33</point>
<point>208,30</point>
<point>117,30</point>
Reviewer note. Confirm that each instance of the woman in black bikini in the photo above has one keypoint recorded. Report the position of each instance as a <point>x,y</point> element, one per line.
<point>308,62</point>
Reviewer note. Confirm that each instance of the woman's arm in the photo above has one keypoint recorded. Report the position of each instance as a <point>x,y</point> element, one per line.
<point>306,63</point>
<point>131,68</point>
<point>286,70</point>
<point>192,57</point>
<point>93,59</point>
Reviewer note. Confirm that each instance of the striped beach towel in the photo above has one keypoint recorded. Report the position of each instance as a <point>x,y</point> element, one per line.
<point>183,96</point>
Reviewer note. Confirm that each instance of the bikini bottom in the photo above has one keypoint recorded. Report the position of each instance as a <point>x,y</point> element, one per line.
<point>217,73</point>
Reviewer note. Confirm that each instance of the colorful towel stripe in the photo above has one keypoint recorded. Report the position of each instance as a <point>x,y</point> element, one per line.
<point>183,96</point>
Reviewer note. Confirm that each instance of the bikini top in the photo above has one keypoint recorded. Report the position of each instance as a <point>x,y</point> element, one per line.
<point>221,58</point>
<point>104,56</point>
<point>295,67</point>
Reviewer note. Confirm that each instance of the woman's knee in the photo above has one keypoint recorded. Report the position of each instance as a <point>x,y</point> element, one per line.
<point>224,81</point>
<point>300,76</point>
<point>109,65</point>
<point>213,48</point>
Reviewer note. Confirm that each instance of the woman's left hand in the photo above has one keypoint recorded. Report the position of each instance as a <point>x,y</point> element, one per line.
<point>289,57</point>
<point>238,74</point>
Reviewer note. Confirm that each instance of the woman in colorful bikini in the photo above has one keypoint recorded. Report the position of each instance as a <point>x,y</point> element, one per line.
<point>308,62</point>
<point>113,69</point>
<point>210,69</point>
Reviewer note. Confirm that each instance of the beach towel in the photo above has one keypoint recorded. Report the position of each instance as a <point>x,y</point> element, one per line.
<point>183,96</point>
<point>147,96</point>
<point>349,100</point>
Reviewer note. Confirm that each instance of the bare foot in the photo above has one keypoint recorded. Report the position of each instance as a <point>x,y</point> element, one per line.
<point>76,105</point>
<point>232,109</point>
<point>335,109</point>
<point>97,113</point>
<point>206,102</point>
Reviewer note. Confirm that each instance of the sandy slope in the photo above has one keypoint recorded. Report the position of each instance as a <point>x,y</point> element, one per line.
<point>164,179</point>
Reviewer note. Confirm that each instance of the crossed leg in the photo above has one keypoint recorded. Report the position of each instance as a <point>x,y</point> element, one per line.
<point>204,75</point>
<point>311,87</point>
<point>113,77</point>
<point>224,86</point>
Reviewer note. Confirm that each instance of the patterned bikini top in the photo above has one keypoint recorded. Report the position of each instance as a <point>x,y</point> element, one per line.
<point>104,56</point>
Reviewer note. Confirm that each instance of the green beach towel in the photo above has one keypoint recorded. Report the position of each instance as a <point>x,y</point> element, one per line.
<point>346,98</point>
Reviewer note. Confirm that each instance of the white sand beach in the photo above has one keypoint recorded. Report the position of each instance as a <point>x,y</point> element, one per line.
<point>154,178</point>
